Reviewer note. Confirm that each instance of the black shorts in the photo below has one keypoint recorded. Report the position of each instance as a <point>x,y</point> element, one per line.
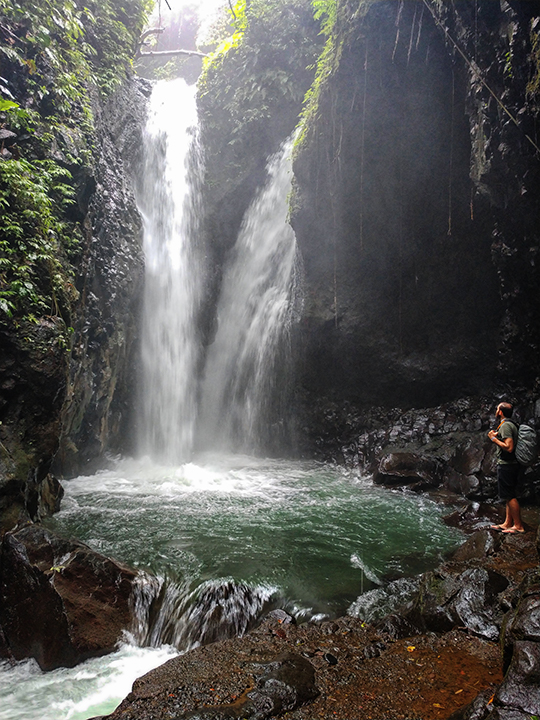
<point>508,477</point>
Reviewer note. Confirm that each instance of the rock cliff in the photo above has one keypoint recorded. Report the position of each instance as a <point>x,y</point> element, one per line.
<point>70,243</point>
<point>416,211</point>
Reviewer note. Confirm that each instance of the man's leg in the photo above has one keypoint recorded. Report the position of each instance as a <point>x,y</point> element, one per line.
<point>508,520</point>
<point>513,515</point>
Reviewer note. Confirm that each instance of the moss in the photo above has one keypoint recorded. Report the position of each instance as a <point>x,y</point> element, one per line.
<point>339,22</point>
<point>252,87</point>
<point>533,86</point>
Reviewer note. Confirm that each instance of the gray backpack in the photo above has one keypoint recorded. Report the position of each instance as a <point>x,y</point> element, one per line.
<point>527,445</point>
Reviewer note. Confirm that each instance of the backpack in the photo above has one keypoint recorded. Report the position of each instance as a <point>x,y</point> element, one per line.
<point>526,449</point>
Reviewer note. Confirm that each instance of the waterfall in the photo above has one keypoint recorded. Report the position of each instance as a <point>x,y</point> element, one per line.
<point>241,387</point>
<point>243,400</point>
<point>167,197</point>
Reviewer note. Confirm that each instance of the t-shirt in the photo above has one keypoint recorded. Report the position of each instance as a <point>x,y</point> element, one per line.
<point>506,430</point>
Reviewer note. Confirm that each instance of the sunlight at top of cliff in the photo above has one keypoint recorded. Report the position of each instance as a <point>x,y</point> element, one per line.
<point>168,12</point>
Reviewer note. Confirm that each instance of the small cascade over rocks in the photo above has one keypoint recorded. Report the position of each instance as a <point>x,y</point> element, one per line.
<point>168,197</point>
<point>245,383</point>
<point>167,612</point>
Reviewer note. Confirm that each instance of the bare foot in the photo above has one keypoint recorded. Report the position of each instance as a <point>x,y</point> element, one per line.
<point>501,528</point>
<point>514,531</point>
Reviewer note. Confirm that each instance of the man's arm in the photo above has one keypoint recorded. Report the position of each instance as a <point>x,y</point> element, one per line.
<point>506,444</point>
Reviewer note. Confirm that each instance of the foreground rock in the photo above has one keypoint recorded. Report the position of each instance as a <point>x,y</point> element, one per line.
<point>356,672</point>
<point>60,602</point>
<point>438,655</point>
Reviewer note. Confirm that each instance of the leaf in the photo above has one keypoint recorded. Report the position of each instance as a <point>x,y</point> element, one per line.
<point>7,105</point>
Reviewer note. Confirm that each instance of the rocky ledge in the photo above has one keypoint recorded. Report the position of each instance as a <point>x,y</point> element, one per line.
<point>464,643</point>
<point>60,602</point>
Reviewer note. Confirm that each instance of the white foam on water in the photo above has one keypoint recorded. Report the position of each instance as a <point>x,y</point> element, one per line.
<point>95,687</point>
<point>357,562</point>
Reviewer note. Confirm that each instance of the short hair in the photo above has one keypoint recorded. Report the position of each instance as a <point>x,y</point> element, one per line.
<point>506,409</point>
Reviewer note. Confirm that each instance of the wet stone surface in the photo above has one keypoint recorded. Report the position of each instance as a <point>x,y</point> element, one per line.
<point>421,676</point>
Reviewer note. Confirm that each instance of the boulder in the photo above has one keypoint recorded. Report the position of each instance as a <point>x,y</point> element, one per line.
<point>507,714</point>
<point>61,602</point>
<point>7,137</point>
<point>478,709</point>
<point>520,689</point>
<point>479,545</point>
<point>287,682</point>
<point>446,600</point>
<point>395,627</point>
<point>5,652</point>
<point>468,486</point>
<point>470,454</point>
<point>476,604</point>
<point>523,622</point>
<point>404,468</point>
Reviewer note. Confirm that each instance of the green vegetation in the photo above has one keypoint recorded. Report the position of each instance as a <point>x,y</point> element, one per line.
<point>71,42</point>
<point>33,239</point>
<point>337,21</point>
<point>55,56</point>
<point>263,67</point>
<point>533,86</point>
<point>252,87</point>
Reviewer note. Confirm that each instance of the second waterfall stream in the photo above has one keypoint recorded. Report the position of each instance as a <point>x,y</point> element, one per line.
<point>241,379</point>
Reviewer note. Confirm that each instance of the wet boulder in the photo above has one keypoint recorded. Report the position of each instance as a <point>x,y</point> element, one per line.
<point>466,485</point>
<point>476,603</point>
<point>407,468</point>
<point>478,709</point>
<point>287,682</point>
<point>470,454</point>
<point>523,622</point>
<point>395,627</point>
<point>478,546</point>
<point>60,602</point>
<point>520,689</point>
<point>446,600</point>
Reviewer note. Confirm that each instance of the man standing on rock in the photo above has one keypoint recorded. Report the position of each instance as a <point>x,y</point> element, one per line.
<point>508,469</point>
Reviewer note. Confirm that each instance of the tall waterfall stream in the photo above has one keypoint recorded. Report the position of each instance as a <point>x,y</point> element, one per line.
<point>207,522</point>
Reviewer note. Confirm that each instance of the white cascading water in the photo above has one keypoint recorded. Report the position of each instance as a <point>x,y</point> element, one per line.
<point>167,198</point>
<point>245,373</point>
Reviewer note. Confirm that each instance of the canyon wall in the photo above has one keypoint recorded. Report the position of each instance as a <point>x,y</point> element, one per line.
<point>416,210</point>
<point>70,243</point>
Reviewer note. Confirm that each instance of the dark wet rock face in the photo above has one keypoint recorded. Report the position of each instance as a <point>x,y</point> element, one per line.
<point>32,390</point>
<point>402,303</point>
<point>98,413</point>
<point>520,689</point>
<point>417,218</point>
<point>60,601</point>
<point>75,405</point>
